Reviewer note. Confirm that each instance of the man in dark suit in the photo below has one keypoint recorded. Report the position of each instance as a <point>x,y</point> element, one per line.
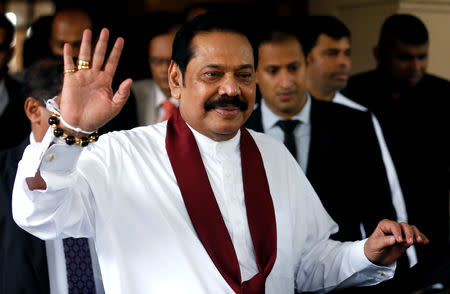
<point>335,145</point>
<point>413,110</point>
<point>29,265</point>
<point>11,104</point>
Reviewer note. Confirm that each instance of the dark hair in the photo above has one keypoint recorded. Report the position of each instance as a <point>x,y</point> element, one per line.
<point>8,26</point>
<point>43,79</point>
<point>160,23</point>
<point>313,26</point>
<point>405,28</point>
<point>278,30</point>
<point>182,51</point>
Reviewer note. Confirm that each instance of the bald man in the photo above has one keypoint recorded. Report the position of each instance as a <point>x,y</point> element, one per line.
<point>67,27</point>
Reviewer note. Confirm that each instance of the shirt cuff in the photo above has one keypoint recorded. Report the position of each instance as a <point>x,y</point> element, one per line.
<point>364,266</point>
<point>56,156</point>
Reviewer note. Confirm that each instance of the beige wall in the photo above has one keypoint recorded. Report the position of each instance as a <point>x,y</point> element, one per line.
<point>365,17</point>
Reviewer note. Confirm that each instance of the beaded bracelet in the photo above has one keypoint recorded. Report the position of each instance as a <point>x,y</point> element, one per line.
<point>70,140</point>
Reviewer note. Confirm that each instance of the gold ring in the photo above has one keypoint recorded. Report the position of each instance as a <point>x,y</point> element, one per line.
<point>71,70</point>
<point>83,64</point>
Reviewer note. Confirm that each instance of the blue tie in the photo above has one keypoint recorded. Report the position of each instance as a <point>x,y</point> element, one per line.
<point>80,277</point>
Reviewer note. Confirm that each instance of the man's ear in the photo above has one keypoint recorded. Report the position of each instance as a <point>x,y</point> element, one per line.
<point>175,80</point>
<point>32,109</point>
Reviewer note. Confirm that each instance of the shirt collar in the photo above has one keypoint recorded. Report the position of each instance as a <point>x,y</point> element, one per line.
<point>213,148</point>
<point>269,119</point>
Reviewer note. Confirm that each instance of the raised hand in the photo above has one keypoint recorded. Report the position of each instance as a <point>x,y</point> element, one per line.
<point>87,99</point>
<point>390,240</point>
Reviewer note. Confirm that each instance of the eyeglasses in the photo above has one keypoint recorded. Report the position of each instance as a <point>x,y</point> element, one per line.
<point>157,61</point>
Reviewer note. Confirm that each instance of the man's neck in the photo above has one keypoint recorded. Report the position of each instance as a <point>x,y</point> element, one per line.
<point>322,94</point>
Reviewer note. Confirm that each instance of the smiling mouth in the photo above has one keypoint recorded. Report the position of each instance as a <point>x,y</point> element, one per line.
<point>227,110</point>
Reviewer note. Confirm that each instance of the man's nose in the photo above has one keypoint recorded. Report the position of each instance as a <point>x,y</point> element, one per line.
<point>344,61</point>
<point>229,86</point>
<point>415,64</point>
<point>285,79</point>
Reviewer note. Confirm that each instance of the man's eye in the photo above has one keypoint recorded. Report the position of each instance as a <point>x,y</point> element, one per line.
<point>211,74</point>
<point>272,70</point>
<point>292,68</point>
<point>245,75</point>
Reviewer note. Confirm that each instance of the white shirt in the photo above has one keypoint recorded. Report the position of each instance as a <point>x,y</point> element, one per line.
<point>4,97</point>
<point>122,192</point>
<point>56,260</point>
<point>398,200</point>
<point>149,99</point>
<point>302,132</point>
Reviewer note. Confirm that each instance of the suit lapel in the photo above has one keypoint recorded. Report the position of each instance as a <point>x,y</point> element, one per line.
<point>321,136</point>
<point>254,122</point>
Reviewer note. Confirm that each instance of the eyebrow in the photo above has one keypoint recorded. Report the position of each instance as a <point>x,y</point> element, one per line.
<point>244,66</point>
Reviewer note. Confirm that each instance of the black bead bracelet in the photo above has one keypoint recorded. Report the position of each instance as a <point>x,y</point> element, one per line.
<point>70,140</point>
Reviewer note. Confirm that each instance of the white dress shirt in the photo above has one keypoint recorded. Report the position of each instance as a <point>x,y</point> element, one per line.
<point>149,99</point>
<point>396,192</point>
<point>56,260</point>
<point>4,97</point>
<point>302,132</point>
<point>122,192</point>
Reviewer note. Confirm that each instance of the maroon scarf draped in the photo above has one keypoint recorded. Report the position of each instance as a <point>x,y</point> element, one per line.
<point>205,214</point>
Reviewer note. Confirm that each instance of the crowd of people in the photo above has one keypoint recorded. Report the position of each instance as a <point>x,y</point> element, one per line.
<point>242,158</point>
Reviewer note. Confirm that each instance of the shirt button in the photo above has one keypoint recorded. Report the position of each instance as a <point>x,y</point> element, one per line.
<point>382,273</point>
<point>51,156</point>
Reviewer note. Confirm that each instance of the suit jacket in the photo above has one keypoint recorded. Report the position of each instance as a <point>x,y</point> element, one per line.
<point>345,167</point>
<point>23,260</point>
<point>417,131</point>
<point>14,122</point>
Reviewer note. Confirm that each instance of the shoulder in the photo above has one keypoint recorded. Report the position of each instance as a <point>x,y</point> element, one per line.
<point>436,82</point>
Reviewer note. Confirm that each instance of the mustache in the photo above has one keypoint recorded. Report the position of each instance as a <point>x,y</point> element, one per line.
<point>226,100</point>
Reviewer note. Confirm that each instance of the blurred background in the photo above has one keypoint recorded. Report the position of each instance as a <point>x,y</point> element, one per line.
<point>129,19</point>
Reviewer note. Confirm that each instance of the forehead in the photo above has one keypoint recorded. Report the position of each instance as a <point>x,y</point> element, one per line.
<point>410,49</point>
<point>325,41</point>
<point>161,44</point>
<point>278,53</point>
<point>221,48</point>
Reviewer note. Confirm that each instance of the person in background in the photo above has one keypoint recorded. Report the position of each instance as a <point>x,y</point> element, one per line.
<point>327,44</point>
<point>153,98</point>
<point>13,120</point>
<point>28,264</point>
<point>67,26</point>
<point>335,145</point>
<point>412,107</point>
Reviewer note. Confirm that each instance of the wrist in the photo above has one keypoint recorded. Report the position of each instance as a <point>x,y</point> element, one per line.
<point>69,135</point>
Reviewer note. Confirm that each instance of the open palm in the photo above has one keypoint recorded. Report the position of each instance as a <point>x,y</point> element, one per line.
<point>87,99</point>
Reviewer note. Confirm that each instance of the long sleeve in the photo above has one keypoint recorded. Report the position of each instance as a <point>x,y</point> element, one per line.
<point>325,264</point>
<point>66,208</point>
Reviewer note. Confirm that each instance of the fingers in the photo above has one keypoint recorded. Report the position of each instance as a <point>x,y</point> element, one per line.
<point>100,50</point>
<point>67,55</point>
<point>403,232</point>
<point>121,95</point>
<point>114,56</point>
<point>391,227</point>
<point>85,48</point>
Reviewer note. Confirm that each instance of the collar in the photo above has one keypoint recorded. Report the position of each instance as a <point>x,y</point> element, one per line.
<point>269,119</point>
<point>217,149</point>
<point>160,97</point>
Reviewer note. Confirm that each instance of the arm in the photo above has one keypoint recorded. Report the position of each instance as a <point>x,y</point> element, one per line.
<point>324,264</point>
<point>51,197</point>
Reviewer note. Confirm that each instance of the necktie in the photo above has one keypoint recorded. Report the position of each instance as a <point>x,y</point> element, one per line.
<point>80,277</point>
<point>168,107</point>
<point>288,127</point>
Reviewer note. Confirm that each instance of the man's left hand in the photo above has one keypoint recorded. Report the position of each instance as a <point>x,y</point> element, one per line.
<point>390,240</point>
